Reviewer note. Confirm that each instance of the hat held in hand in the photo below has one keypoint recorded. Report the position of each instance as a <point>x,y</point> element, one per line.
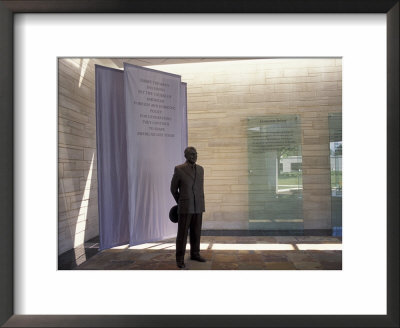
<point>173,214</point>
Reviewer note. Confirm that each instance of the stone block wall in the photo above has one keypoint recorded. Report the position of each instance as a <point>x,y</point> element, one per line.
<point>221,95</point>
<point>77,167</point>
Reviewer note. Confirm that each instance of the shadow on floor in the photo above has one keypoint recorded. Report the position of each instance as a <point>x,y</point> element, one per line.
<point>76,256</point>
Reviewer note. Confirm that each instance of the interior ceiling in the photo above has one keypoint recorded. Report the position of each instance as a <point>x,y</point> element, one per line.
<point>152,61</point>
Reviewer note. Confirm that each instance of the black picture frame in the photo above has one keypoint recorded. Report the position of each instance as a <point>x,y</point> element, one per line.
<point>7,11</point>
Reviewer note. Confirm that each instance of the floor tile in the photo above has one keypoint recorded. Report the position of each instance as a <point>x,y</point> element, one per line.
<point>279,266</point>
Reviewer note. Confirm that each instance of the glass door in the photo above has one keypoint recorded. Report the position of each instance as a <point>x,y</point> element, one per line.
<point>274,173</point>
<point>336,146</point>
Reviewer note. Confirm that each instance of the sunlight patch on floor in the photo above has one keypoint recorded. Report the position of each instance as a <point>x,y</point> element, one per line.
<point>252,247</point>
<point>239,247</point>
<point>319,247</point>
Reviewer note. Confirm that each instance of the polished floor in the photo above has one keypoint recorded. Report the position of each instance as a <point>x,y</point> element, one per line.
<point>227,253</point>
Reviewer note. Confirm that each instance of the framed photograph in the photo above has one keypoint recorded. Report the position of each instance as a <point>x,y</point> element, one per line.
<point>34,35</point>
<point>261,111</point>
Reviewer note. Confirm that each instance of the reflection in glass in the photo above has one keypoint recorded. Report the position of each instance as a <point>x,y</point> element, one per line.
<point>275,175</point>
<point>335,143</point>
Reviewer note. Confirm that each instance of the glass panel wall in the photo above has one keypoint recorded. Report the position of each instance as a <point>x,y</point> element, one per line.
<point>335,143</point>
<point>274,173</point>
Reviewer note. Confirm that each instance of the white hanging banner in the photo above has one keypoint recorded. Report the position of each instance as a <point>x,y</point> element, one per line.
<point>184,126</point>
<point>111,158</point>
<point>155,144</point>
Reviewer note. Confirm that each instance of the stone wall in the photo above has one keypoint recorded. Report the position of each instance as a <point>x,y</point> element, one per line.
<point>221,95</point>
<point>77,169</point>
<point>220,98</point>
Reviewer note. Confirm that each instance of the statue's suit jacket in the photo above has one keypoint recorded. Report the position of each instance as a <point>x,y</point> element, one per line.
<point>187,187</point>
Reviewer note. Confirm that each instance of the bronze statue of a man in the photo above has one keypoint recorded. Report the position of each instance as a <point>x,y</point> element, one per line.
<point>187,187</point>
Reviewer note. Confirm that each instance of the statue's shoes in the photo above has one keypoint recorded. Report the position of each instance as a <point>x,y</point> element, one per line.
<point>180,265</point>
<point>198,258</point>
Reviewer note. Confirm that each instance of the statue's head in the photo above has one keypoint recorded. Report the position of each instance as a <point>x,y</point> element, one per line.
<point>191,155</point>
